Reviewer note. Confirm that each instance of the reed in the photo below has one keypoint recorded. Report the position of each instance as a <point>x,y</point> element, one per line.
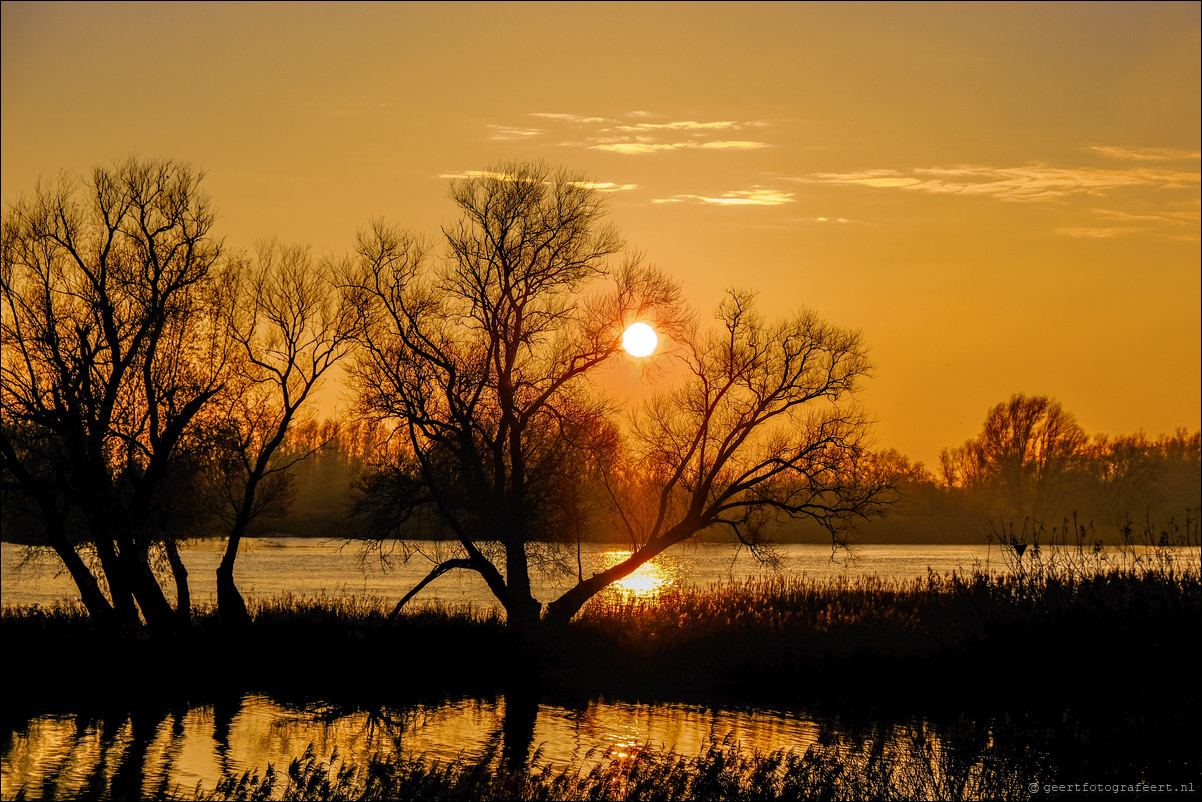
<point>786,639</point>
<point>911,765</point>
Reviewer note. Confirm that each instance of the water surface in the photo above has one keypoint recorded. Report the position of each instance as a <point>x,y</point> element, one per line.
<point>277,566</point>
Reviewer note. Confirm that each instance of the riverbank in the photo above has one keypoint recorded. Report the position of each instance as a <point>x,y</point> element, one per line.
<point>1073,676</point>
<point>1016,638</point>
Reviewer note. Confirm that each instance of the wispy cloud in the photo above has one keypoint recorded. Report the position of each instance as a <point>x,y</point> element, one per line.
<point>577,119</point>
<point>606,186</point>
<point>1185,217</point>
<point>1179,224</point>
<point>1146,154</point>
<point>745,197</point>
<point>1087,232</point>
<point>659,147</point>
<point>683,125</point>
<point>476,174</point>
<point>1035,182</point>
<point>639,134</point>
<point>507,132</point>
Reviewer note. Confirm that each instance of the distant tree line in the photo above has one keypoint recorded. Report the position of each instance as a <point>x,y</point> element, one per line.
<point>1034,472</point>
<point>1113,486</point>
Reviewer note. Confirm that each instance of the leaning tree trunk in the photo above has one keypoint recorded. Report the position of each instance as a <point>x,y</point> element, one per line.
<point>560,611</point>
<point>119,587</point>
<point>183,594</point>
<point>135,559</point>
<point>93,598</point>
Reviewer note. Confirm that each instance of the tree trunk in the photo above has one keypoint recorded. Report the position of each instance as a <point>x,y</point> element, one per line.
<point>93,598</point>
<point>561,611</point>
<point>231,607</point>
<point>183,594</point>
<point>522,610</point>
<point>119,587</point>
<point>151,600</point>
<point>135,562</point>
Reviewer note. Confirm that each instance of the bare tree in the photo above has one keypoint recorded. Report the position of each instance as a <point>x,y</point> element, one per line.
<point>482,364</point>
<point>288,329</point>
<point>108,327</point>
<point>482,360</point>
<point>764,425</point>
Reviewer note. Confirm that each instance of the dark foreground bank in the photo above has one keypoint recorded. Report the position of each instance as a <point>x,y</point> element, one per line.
<point>1040,678</point>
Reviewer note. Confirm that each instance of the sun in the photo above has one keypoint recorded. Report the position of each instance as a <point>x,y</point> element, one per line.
<point>639,339</point>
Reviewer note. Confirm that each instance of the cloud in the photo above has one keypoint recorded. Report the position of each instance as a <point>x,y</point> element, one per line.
<point>743,197</point>
<point>1181,224</point>
<point>635,147</point>
<point>639,134</point>
<point>1146,154</point>
<point>506,132</point>
<point>1096,233</point>
<point>476,174</point>
<point>599,186</point>
<point>684,125</point>
<point>1035,182</point>
<point>733,144</point>
<point>577,119</point>
<point>605,186</point>
<point>1184,217</point>
<point>639,147</point>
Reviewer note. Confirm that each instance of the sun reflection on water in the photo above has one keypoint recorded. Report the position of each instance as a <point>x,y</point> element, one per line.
<point>649,580</point>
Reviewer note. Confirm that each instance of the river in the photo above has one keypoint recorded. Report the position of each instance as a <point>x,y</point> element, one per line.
<point>275,566</point>
<point>147,750</point>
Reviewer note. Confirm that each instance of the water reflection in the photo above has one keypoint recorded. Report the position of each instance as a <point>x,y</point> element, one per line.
<point>276,566</point>
<point>161,750</point>
<point>649,580</point>
<point>153,751</point>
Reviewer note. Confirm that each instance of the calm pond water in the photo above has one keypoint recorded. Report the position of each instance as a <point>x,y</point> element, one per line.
<point>148,751</point>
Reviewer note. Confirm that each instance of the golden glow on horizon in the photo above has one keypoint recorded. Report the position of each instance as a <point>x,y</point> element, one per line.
<point>951,207</point>
<point>639,340</point>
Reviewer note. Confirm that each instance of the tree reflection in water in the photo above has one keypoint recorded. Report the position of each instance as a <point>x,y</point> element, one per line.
<point>154,751</point>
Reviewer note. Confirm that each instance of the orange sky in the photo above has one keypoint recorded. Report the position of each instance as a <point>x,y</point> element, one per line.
<point>1003,197</point>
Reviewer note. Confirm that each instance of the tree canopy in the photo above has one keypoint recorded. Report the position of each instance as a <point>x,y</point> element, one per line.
<point>483,358</point>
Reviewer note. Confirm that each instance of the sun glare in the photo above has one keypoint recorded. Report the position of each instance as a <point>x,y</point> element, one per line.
<point>639,339</point>
<point>646,581</point>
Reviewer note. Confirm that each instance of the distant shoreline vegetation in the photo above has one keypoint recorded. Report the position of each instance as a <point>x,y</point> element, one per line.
<point>1115,491</point>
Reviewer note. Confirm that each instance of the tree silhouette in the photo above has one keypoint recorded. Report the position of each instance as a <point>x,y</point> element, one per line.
<point>109,334</point>
<point>287,329</point>
<point>1026,453</point>
<point>482,361</point>
<point>765,424</point>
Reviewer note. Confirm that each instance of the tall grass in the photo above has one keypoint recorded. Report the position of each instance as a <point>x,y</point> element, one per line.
<point>845,637</point>
<point>1088,653</point>
<point>789,639</point>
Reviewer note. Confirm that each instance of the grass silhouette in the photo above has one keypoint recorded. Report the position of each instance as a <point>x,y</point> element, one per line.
<point>1058,672</point>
